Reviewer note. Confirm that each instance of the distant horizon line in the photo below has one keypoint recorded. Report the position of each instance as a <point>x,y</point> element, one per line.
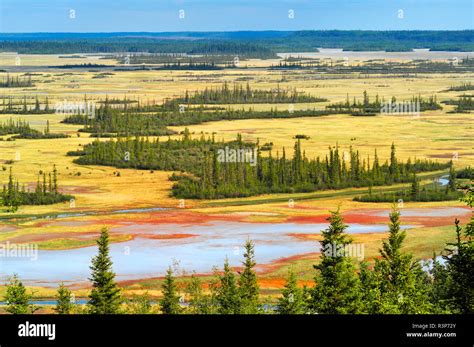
<point>225,31</point>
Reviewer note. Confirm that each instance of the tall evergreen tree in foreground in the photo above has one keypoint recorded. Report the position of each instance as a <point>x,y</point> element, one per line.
<point>170,302</point>
<point>460,265</point>
<point>403,284</point>
<point>248,285</point>
<point>452,288</point>
<point>64,304</point>
<point>105,297</point>
<point>228,296</point>
<point>337,289</point>
<point>292,299</point>
<point>17,299</point>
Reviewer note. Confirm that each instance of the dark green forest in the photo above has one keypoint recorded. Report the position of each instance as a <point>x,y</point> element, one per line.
<point>258,44</point>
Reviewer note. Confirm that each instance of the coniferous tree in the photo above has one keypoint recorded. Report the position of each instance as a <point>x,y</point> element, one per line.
<point>248,284</point>
<point>10,195</point>
<point>394,169</point>
<point>415,188</point>
<point>170,302</point>
<point>337,289</point>
<point>64,300</point>
<point>55,180</point>
<point>452,285</point>
<point>215,178</point>
<point>37,104</point>
<point>17,299</point>
<point>452,179</point>
<point>460,266</point>
<point>105,296</point>
<point>227,292</point>
<point>403,284</point>
<point>370,287</point>
<point>292,300</point>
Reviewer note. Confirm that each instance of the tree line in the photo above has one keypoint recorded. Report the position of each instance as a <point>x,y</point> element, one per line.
<point>366,106</point>
<point>411,68</point>
<point>195,66</point>
<point>125,121</point>
<point>18,82</point>
<point>216,180</point>
<point>240,95</point>
<point>21,130</point>
<point>45,193</point>
<point>416,193</point>
<point>464,104</point>
<point>24,107</point>
<point>135,45</point>
<point>173,58</point>
<point>462,87</point>
<point>120,118</point>
<point>204,176</point>
<point>257,44</point>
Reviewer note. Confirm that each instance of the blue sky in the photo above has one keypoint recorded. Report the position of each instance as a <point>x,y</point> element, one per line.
<point>231,15</point>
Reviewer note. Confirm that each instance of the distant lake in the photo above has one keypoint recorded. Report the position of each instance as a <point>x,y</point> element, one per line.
<point>337,53</point>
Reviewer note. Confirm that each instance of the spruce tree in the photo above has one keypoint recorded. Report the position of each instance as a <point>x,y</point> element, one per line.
<point>37,104</point>
<point>415,188</point>
<point>64,304</point>
<point>337,289</point>
<point>248,285</point>
<point>452,179</point>
<point>460,266</point>
<point>17,299</point>
<point>105,297</point>
<point>403,284</point>
<point>292,299</point>
<point>394,169</point>
<point>452,285</point>
<point>55,180</point>
<point>10,196</point>
<point>228,296</point>
<point>170,302</point>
